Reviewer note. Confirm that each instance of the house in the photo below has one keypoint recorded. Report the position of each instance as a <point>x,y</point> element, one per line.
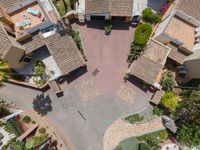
<point>26,37</point>
<point>148,67</point>
<point>110,9</point>
<point>179,31</point>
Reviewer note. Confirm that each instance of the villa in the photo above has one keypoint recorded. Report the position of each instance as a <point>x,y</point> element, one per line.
<point>179,31</point>
<point>110,9</point>
<point>27,34</point>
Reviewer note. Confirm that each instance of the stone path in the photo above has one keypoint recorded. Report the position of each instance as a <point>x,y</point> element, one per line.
<point>121,130</point>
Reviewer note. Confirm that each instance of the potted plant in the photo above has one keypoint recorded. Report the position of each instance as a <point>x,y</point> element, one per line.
<point>108,28</point>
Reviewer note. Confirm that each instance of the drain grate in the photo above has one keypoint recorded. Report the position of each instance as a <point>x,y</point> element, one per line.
<point>95,72</point>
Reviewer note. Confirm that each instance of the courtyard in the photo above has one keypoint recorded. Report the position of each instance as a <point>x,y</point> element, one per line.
<point>93,98</point>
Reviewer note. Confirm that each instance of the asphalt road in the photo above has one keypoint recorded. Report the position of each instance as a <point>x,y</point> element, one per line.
<point>83,123</point>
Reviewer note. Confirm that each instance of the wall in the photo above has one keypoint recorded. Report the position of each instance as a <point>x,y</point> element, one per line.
<point>193,68</point>
<point>14,56</point>
<point>107,16</point>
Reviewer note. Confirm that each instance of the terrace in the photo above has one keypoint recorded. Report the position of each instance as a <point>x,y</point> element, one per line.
<point>27,17</point>
<point>182,31</point>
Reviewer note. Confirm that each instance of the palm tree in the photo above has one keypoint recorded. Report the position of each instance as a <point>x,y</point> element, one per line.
<point>5,71</point>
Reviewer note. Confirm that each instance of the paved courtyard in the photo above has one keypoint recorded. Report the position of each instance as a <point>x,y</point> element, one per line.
<point>92,99</point>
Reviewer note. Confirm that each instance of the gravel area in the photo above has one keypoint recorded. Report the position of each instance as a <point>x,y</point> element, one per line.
<point>121,130</point>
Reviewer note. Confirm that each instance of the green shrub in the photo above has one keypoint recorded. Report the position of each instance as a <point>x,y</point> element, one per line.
<point>167,81</point>
<point>142,34</point>
<point>42,130</point>
<point>134,118</point>
<point>163,135</point>
<point>27,119</point>
<point>39,68</point>
<point>136,51</point>
<point>12,126</point>
<point>77,39</point>
<point>144,146</point>
<point>108,28</point>
<point>169,101</point>
<point>149,16</point>
<point>157,111</point>
<point>33,122</point>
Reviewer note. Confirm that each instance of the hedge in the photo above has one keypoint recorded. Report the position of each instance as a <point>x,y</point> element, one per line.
<point>149,16</point>
<point>142,34</point>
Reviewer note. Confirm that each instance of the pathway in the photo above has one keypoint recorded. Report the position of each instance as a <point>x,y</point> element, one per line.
<point>121,130</point>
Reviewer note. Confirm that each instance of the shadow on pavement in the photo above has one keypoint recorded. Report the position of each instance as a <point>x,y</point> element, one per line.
<point>75,74</point>
<point>42,104</point>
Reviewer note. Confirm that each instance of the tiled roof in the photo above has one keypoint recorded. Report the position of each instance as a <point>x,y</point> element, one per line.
<point>115,7</point>
<point>150,64</point>
<point>10,3</point>
<point>190,7</point>
<point>96,6</point>
<point>121,7</point>
<point>175,54</point>
<point>36,41</point>
<point>61,46</point>
<point>146,69</point>
<point>5,43</point>
<point>65,52</point>
<point>156,98</point>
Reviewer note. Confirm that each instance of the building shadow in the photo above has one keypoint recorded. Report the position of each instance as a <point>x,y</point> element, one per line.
<point>73,75</point>
<point>42,104</point>
<point>139,83</point>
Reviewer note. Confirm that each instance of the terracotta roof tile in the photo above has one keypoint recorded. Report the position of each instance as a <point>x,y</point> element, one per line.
<point>115,7</point>
<point>190,7</point>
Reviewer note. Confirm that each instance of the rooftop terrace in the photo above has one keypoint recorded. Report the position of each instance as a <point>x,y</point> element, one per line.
<point>32,19</point>
<point>182,31</point>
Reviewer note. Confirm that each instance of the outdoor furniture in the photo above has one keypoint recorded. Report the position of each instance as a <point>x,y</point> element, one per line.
<point>34,12</point>
<point>20,24</point>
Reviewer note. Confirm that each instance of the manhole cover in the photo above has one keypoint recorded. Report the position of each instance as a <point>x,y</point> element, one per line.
<point>95,72</point>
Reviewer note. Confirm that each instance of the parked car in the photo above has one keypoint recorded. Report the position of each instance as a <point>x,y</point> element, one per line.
<point>136,20</point>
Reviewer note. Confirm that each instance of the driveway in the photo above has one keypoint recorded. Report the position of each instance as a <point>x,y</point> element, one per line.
<point>93,99</point>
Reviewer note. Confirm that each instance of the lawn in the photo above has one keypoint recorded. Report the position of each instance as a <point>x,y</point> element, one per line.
<point>134,118</point>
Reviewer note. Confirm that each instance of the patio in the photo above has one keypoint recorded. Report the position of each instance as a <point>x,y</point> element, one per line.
<point>31,15</point>
<point>52,70</point>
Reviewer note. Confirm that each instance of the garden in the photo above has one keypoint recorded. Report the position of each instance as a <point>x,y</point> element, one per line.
<point>182,108</point>
<point>150,141</point>
<point>20,131</point>
<point>63,6</point>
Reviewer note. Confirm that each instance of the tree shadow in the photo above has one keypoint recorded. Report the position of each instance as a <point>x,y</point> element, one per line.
<point>42,104</point>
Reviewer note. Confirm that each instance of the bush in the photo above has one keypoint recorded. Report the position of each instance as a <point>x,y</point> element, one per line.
<point>134,118</point>
<point>142,34</point>
<point>27,119</point>
<point>136,51</point>
<point>39,68</point>
<point>33,122</point>
<point>157,111</point>
<point>42,130</point>
<point>167,82</point>
<point>169,101</point>
<point>144,146</point>
<point>149,16</point>
<point>12,126</point>
<point>163,135</point>
<point>108,28</point>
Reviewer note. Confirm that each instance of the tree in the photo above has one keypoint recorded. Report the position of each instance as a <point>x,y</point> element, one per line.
<point>167,81</point>
<point>169,101</point>
<point>5,71</point>
<point>189,134</point>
